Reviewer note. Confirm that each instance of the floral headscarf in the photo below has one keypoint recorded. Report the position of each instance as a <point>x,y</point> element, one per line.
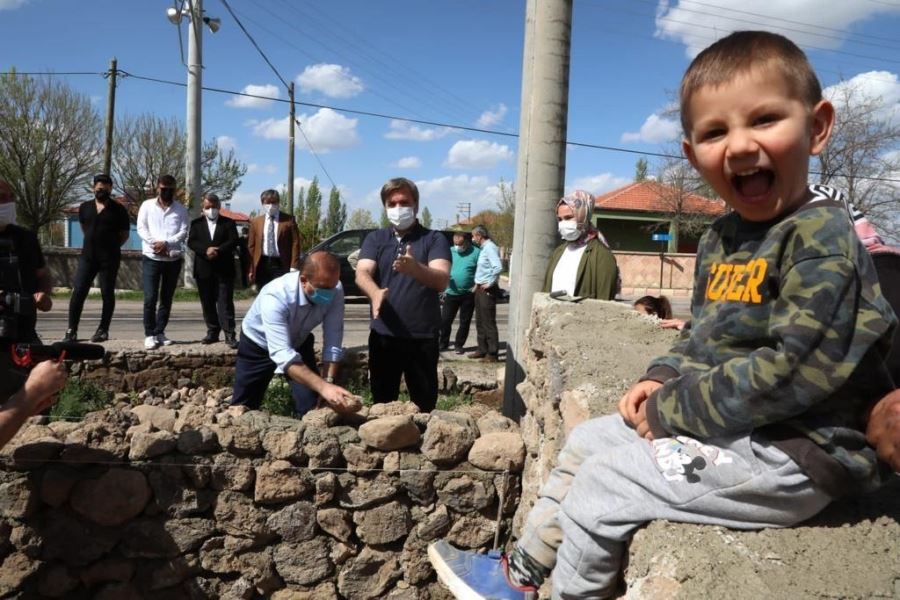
<point>582,205</point>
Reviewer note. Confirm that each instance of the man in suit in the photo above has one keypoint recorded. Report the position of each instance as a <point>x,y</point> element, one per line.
<point>213,238</point>
<point>274,242</point>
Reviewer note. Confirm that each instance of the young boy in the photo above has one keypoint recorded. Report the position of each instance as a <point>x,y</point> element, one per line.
<point>755,416</point>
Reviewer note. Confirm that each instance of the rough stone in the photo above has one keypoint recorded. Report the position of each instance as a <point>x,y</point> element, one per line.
<point>294,523</point>
<point>145,446</point>
<point>34,453</point>
<point>172,572</point>
<point>369,575</point>
<point>326,488</point>
<point>165,538</point>
<point>278,482</point>
<point>323,591</point>
<point>417,477</point>
<point>465,492</point>
<point>434,525</point>
<point>341,552</point>
<point>448,437</point>
<point>303,564</point>
<point>322,448</point>
<point>114,498</point>
<point>494,422</point>
<point>361,459</point>
<point>240,439</point>
<point>383,524</point>
<point>18,499</point>
<point>392,409</point>
<point>237,515</point>
<point>75,542</point>
<point>501,451</point>
<point>230,473</point>
<point>191,416</point>
<point>283,445</point>
<point>96,441</point>
<point>321,418</point>
<point>109,569</point>
<point>472,530</point>
<point>390,433</point>
<point>336,523</point>
<point>117,591</point>
<point>157,416</point>
<point>414,561</point>
<point>15,570</point>
<point>172,493</point>
<point>197,441</point>
<point>363,493</point>
<point>256,567</point>
<point>56,582</point>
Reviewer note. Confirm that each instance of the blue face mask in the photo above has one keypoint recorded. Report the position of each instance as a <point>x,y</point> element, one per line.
<point>322,296</point>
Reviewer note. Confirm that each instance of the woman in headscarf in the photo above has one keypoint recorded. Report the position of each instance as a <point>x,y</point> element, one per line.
<point>582,265</point>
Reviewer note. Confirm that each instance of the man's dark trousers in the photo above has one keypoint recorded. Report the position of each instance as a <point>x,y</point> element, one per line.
<point>465,305</point>
<point>217,301</point>
<point>486,320</point>
<point>84,277</point>
<point>414,359</point>
<point>269,268</point>
<point>160,280</point>
<point>253,371</point>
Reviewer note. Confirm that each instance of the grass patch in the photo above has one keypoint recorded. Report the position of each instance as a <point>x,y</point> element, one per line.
<point>278,399</point>
<point>78,398</point>
<point>453,401</point>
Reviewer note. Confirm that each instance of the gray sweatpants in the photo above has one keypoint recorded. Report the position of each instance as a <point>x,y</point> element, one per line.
<point>609,481</point>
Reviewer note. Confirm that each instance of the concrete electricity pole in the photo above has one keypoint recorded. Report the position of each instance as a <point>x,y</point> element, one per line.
<point>290,181</point>
<point>540,175</point>
<point>110,116</point>
<point>194,109</point>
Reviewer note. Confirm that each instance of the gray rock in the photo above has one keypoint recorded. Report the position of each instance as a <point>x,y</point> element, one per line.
<point>294,523</point>
<point>466,492</point>
<point>256,567</point>
<point>361,459</point>
<point>230,473</point>
<point>320,418</point>
<point>172,572</point>
<point>173,495</point>
<point>114,498</point>
<point>278,482</point>
<point>390,433</point>
<point>369,575</point>
<point>336,523</point>
<point>145,446</point>
<point>417,477</point>
<point>197,441</point>
<point>18,499</point>
<point>434,525</point>
<point>471,531</point>
<point>392,409</point>
<point>494,422</point>
<point>383,524</point>
<point>34,453</point>
<point>157,416</point>
<point>323,591</point>
<point>499,451</point>
<point>363,493</point>
<point>448,437</point>
<point>191,416</point>
<point>240,439</point>
<point>237,515</point>
<point>283,445</point>
<point>303,564</point>
<point>326,488</point>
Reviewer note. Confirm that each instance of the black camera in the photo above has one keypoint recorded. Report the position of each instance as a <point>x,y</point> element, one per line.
<point>14,305</point>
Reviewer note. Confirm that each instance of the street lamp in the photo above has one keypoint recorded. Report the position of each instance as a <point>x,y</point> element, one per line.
<point>193,10</point>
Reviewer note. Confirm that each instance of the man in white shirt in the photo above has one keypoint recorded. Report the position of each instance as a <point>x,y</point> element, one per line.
<point>276,337</point>
<point>162,225</point>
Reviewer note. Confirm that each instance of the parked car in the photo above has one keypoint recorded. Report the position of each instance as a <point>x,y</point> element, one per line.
<point>347,242</point>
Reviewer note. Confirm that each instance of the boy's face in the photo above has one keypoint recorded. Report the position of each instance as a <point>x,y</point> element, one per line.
<point>751,140</point>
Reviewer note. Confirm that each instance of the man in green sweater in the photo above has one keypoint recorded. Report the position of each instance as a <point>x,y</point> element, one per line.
<point>458,297</point>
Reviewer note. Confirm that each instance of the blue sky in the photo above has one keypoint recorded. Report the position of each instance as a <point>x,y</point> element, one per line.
<point>454,62</point>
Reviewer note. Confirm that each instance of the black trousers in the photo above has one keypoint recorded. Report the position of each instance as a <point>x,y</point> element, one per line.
<point>486,320</point>
<point>268,268</point>
<point>217,301</point>
<point>253,370</point>
<point>465,305</point>
<point>160,281</point>
<point>415,359</point>
<point>84,277</point>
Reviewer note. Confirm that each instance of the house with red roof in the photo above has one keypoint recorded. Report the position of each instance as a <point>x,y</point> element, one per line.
<point>629,217</point>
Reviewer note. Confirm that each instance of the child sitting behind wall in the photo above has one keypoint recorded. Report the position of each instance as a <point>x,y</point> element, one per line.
<point>661,308</point>
<point>755,416</point>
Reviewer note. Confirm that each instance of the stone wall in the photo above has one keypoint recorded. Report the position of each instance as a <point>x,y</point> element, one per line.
<point>581,359</point>
<point>183,497</point>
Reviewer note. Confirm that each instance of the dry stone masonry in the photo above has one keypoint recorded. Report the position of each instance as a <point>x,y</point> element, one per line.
<point>184,497</point>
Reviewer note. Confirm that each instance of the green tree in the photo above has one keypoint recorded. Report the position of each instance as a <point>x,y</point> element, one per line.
<point>336,216</point>
<point>503,225</point>
<point>640,170</point>
<point>426,218</point>
<point>385,222</point>
<point>361,218</point>
<point>309,214</point>
<point>49,145</point>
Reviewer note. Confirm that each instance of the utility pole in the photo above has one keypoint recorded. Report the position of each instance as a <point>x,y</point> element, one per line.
<point>466,209</point>
<point>290,181</point>
<point>540,175</point>
<point>194,108</point>
<point>110,116</point>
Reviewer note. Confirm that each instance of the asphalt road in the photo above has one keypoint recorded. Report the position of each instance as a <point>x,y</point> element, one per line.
<point>186,323</point>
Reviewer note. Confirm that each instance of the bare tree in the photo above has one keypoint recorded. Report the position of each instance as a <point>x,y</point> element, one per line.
<point>863,156</point>
<point>50,139</point>
<point>506,211</point>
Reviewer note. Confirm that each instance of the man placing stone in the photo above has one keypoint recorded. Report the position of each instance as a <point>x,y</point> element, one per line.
<point>276,337</point>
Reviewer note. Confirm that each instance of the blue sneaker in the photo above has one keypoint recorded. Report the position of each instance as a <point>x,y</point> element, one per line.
<point>473,576</point>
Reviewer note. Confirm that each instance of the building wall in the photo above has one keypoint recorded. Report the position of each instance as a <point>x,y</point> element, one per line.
<point>640,272</point>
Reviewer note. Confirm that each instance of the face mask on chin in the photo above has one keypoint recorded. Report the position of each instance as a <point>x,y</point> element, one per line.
<point>401,217</point>
<point>7,214</point>
<point>568,230</point>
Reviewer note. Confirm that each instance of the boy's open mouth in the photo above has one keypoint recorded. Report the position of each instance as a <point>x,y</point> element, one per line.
<point>753,183</point>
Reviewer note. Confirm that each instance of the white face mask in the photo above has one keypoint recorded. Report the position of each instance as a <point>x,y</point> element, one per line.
<point>401,217</point>
<point>7,214</point>
<point>211,213</point>
<point>568,230</point>
<point>271,209</point>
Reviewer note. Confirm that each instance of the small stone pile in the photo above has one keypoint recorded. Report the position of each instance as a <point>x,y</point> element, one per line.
<point>184,497</point>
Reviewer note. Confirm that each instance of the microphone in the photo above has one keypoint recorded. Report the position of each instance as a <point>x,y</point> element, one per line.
<point>69,350</point>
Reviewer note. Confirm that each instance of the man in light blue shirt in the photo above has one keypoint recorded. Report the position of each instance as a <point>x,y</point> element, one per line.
<point>487,290</point>
<point>276,337</point>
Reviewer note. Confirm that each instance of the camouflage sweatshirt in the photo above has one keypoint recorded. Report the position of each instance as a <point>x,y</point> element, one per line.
<point>787,338</point>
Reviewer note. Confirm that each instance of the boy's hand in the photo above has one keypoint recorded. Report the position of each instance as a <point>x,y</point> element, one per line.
<point>642,425</point>
<point>633,399</point>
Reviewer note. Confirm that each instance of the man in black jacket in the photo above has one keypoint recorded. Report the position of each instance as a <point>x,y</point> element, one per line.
<point>213,238</point>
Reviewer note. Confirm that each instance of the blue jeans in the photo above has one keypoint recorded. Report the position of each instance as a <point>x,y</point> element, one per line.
<point>160,280</point>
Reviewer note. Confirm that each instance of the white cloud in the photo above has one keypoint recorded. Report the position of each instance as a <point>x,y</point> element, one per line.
<point>698,28</point>
<point>403,130</point>
<point>11,4</point>
<point>326,130</point>
<point>597,184</point>
<point>874,85</point>
<point>655,130</point>
<point>268,90</point>
<point>226,143</point>
<point>334,81</point>
<point>491,117</point>
<point>442,194</point>
<point>477,154</point>
<point>408,162</point>
<point>268,169</point>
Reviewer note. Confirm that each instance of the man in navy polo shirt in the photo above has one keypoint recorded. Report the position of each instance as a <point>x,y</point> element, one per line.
<point>403,269</point>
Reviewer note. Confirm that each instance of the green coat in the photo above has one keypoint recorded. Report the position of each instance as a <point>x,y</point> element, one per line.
<point>597,272</point>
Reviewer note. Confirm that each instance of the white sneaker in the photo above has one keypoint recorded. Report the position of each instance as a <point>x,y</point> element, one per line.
<point>162,339</point>
<point>150,342</point>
